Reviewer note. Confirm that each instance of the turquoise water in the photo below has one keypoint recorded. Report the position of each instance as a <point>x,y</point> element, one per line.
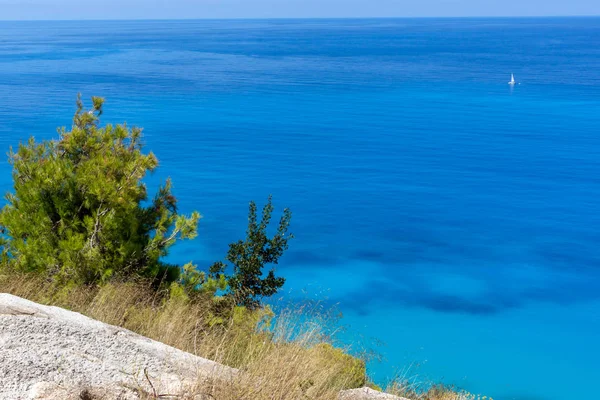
<point>450,216</point>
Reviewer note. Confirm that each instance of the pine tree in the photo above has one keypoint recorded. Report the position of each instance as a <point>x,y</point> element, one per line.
<point>248,284</point>
<point>79,210</point>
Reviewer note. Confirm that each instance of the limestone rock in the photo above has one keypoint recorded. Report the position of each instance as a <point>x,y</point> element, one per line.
<point>367,394</point>
<point>51,353</point>
<point>53,391</point>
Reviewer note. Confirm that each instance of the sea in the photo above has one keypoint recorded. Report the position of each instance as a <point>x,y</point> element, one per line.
<point>453,219</point>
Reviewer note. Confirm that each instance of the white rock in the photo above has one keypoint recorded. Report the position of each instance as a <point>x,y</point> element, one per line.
<point>48,351</point>
<point>53,391</point>
<point>367,394</point>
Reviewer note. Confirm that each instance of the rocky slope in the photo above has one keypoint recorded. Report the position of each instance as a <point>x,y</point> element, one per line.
<point>51,353</point>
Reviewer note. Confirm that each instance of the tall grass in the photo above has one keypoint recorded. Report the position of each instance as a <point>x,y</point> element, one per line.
<point>414,387</point>
<point>283,357</point>
<point>288,357</point>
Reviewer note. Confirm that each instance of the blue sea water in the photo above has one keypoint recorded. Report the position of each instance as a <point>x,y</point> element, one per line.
<point>450,216</point>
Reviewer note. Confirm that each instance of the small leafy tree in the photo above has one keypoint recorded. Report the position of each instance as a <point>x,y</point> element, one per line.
<point>79,210</point>
<point>247,284</point>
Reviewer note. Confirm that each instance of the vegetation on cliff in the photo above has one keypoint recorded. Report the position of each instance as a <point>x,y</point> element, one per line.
<point>80,232</point>
<point>80,214</point>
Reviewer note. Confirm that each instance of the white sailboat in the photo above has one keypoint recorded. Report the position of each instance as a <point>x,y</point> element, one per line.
<point>512,80</point>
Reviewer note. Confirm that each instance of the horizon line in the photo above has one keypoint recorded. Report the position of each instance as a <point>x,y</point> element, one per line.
<point>300,18</point>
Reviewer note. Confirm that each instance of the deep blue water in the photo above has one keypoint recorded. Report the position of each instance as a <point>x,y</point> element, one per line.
<point>450,216</point>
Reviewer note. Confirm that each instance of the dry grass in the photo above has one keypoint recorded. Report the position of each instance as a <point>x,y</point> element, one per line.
<point>290,360</point>
<point>417,389</point>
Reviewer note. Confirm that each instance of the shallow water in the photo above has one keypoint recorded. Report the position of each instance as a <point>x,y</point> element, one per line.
<point>450,216</point>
